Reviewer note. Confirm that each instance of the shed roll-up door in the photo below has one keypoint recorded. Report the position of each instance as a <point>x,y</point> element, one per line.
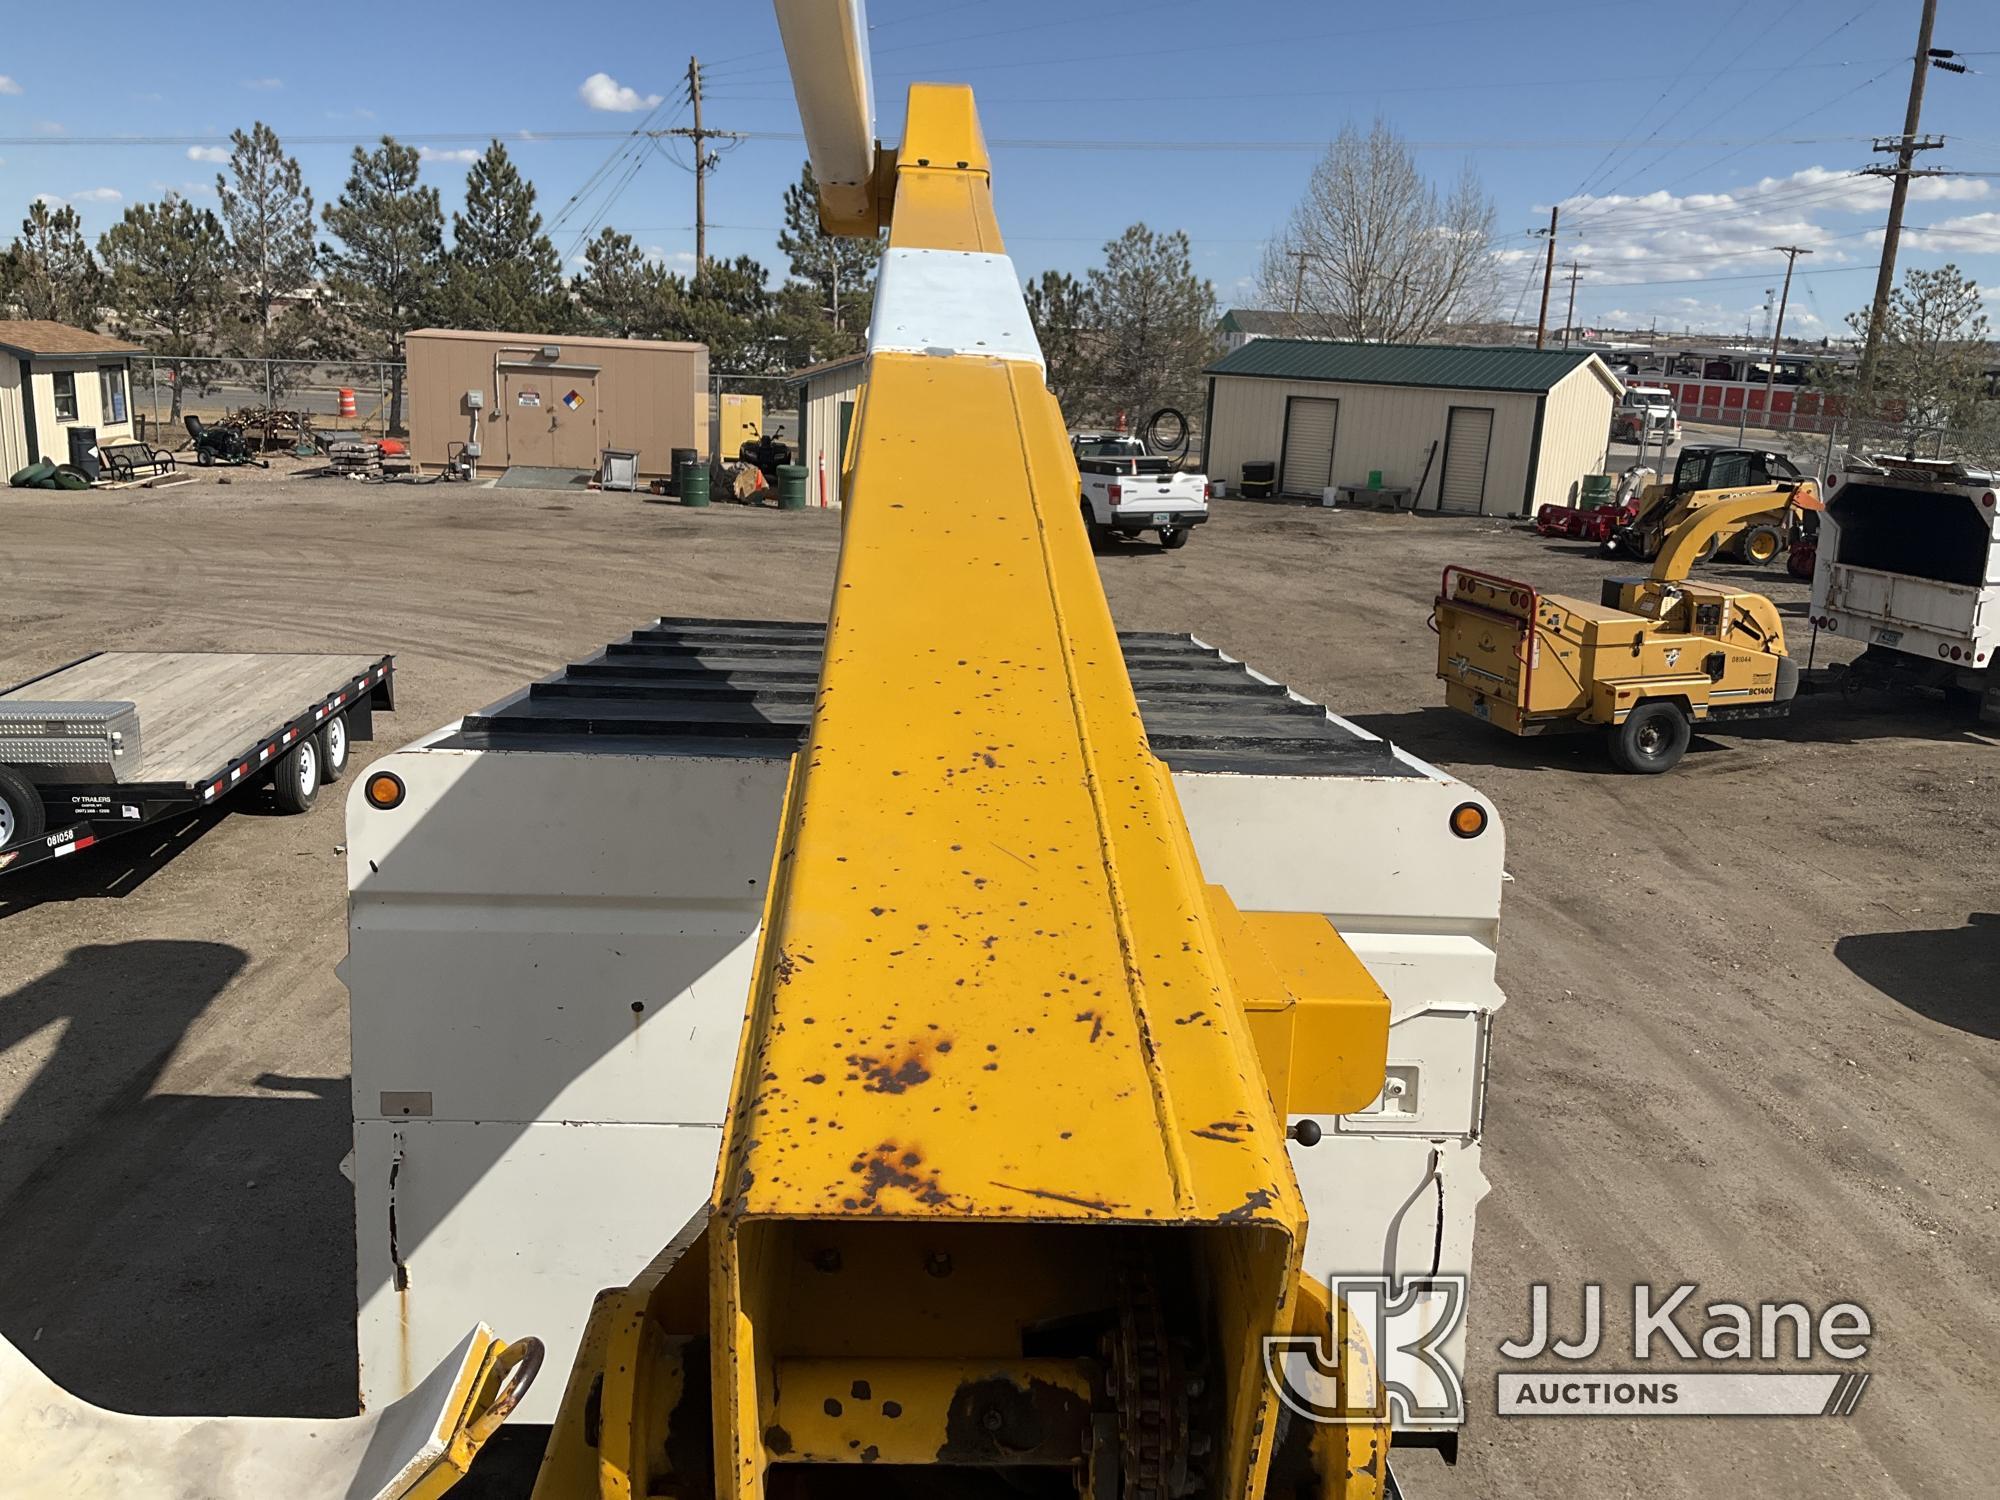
<point>1308,461</point>
<point>1467,441</point>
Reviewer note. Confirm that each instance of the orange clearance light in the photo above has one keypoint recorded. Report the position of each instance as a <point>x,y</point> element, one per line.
<point>1468,820</point>
<point>386,790</point>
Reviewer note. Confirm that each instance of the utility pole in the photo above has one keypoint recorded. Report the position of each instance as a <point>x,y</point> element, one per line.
<point>704,159</point>
<point>1548,275</point>
<point>1576,270</point>
<point>1791,254</point>
<point>1298,280</point>
<point>1905,148</point>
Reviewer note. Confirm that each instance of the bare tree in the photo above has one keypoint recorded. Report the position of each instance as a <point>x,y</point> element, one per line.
<point>1373,251</point>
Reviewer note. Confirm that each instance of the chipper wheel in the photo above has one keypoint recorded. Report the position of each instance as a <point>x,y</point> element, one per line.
<point>1652,739</point>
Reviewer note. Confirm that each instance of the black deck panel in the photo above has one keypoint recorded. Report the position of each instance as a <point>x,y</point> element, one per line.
<point>746,687</point>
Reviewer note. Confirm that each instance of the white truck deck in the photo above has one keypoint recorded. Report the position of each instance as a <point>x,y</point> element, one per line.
<point>551,938</point>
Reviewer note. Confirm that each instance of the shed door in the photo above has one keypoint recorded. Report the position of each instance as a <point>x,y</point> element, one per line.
<point>573,422</point>
<point>1468,439</point>
<point>525,397</point>
<point>1310,424</point>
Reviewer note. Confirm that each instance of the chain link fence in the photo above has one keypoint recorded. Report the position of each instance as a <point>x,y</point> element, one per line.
<point>277,401</point>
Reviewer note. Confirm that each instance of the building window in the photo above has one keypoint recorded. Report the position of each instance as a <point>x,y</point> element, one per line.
<point>111,391</point>
<point>65,396</point>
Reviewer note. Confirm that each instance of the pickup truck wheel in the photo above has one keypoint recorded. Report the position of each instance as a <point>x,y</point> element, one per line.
<point>1175,537</point>
<point>334,748</point>
<point>296,779</point>
<point>21,815</point>
<point>1652,739</point>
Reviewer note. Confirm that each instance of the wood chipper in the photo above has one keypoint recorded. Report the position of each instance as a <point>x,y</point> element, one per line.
<point>1651,659</point>
<point>1705,476</point>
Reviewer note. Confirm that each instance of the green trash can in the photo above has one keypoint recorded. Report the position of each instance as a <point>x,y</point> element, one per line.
<point>694,483</point>
<point>1374,479</point>
<point>792,486</point>
<point>1597,489</point>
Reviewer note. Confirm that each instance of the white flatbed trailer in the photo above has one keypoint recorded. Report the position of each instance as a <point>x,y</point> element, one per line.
<point>553,919</point>
<point>122,739</point>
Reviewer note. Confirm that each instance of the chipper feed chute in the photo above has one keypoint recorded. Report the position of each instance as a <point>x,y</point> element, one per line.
<point>1004,1187</point>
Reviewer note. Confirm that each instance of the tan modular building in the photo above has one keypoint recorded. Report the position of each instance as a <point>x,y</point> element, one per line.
<point>827,393</point>
<point>54,377</point>
<point>1482,431</point>
<point>555,402</point>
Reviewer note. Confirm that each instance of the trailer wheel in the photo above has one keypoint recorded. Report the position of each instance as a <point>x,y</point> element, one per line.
<point>1652,739</point>
<point>21,815</point>
<point>296,779</point>
<point>334,748</point>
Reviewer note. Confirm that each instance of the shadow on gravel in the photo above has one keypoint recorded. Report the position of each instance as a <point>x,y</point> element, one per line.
<point>1945,973</point>
<point>151,1239</point>
<point>115,868</point>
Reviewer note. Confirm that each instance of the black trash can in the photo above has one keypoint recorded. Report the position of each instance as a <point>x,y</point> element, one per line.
<point>81,441</point>
<point>678,459</point>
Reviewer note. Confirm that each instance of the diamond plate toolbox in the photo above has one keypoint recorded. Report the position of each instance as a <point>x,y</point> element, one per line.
<point>71,742</point>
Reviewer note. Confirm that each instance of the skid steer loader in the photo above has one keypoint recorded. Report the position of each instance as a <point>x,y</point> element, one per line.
<point>1706,475</point>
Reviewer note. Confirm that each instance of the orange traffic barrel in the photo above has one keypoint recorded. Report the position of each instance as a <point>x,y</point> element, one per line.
<point>346,401</point>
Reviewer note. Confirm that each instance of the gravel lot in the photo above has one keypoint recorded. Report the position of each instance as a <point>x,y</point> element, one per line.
<point>1752,1038</point>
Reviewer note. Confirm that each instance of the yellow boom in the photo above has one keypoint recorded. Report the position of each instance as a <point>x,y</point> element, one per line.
<point>1004,1184</point>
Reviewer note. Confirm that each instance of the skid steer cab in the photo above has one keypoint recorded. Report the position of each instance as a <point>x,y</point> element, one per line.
<point>1645,663</point>
<point>1706,476</point>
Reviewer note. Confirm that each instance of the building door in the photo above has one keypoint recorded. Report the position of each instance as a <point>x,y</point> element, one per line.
<point>525,398</point>
<point>1307,465</point>
<point>573,429</point>
<point>1468,439</point>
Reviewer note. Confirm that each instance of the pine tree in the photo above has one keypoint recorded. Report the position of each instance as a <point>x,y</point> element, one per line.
<point>268,212</point>
<point>166,261</point>
<point>840,268</point>
<point>503,272</point>
<point>49,271</point>
<point>1066,326</point>
<point>621,292</point>
<point>388,266</point>
<point>1157,319</point>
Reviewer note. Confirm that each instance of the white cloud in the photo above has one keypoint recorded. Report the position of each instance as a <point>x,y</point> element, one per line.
<point>8,86</point>
<point>207,153</point>
<point>1973,234</point>
<point>679,260</point>
<point>98,195</point>
<point>264,85</point>
<point>48,127</point>
<point>433,153</point>
<point>50,200</point>
<point>602,91</point>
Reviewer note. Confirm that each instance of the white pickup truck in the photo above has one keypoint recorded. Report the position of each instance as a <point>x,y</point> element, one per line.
<point>1127,490</point>
<point>1908,562</point>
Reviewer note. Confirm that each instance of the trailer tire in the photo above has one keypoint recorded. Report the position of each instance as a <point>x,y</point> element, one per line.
<point>21,814</point>
<point>295,781</point>
<point>1652,739</point>
<point>335,749</point>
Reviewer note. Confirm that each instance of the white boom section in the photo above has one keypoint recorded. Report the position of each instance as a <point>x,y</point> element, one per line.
<point>836,95</point>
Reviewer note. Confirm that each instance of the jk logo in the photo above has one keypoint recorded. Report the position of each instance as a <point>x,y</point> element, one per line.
<point>1383,1359</point>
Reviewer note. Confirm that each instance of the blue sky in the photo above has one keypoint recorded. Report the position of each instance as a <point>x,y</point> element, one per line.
<point>1685,139</point>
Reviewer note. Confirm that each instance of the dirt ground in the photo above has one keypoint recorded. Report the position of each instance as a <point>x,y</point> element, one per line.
<point>1752,1036</point>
